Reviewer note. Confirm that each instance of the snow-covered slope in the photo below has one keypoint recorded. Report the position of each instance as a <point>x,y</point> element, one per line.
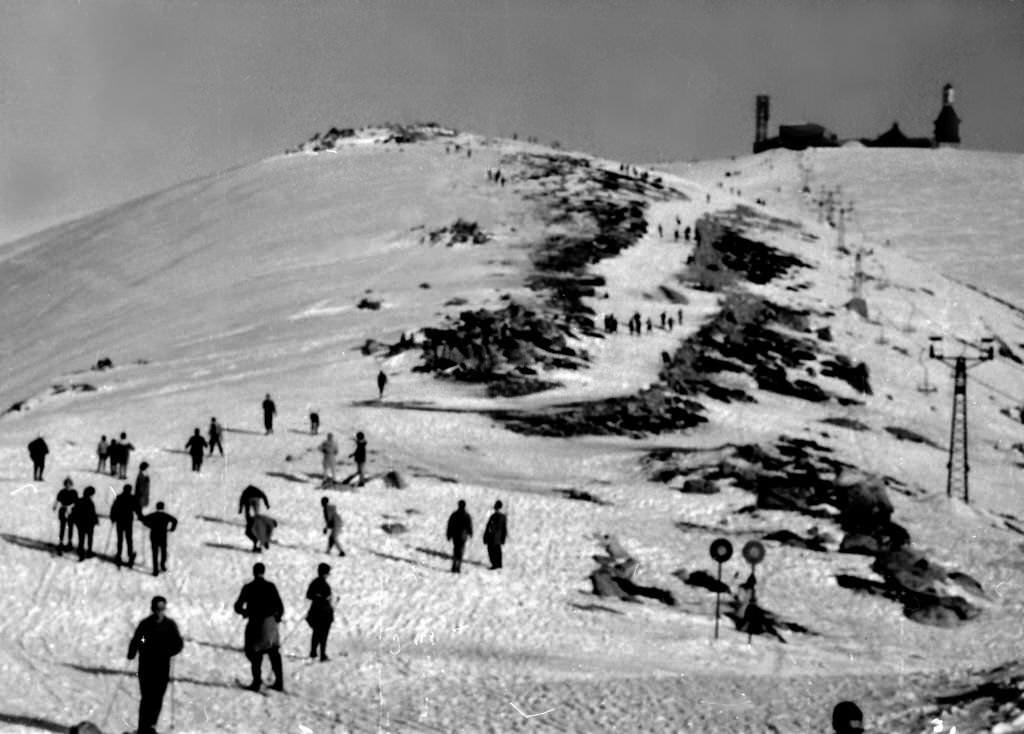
<point>213,293</point>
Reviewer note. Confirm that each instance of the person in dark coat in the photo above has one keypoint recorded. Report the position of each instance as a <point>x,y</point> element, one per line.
<point>261,605</point>
<point>122,514</point>
<point>249,501</point>
<point>320,616</point>
<point>64,505</point>
<point>156,641</point>
<point>495,535</point>
<point>196,447</point>
<point>332,525</point>
<point>37,451</point>
<point>269,411</point>
<point>84,516</point>
<point>382,381</point>
<point>314,422</point>
<point>260,530</point>
<point>215,433</point>
<point>142,489</point>
<point>460,529</point>
<point>847,718</point>
<point>126,454</point>
<point>101,455</point>
<point>159,523</point>
<point>114,454</point>
<point>359,456</point>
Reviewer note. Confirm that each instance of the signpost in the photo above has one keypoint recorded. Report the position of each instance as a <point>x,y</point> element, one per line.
<point>753,553</point>
<point>721,551</point>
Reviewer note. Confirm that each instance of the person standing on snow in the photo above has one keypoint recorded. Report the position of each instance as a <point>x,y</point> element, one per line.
<point>329,448</point>
<point>101,454</point>
<point>215,433</point>
<point>359,456</point>
<point>141,489</point>
<point>159,523</point>
<point>495,535</point>
<point>249,501</point>
<point>85,519</point>
<point>261,605</point>
<point>314,422</point>
<point>122,514</point>
<point>64,505</point>
<point>382,381</point>
<point>332,525</point>
<point>321,613</point>
<point>260,530</point>
<point>125,454</point>
<point>156,641</point>
<point>37,451</point>
<point>114,454</point>
<point>269,411</point>
<point>460,529</point>
<point>196,447</point>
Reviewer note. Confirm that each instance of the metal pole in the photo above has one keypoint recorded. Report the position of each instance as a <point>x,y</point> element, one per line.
<point>752,604</point>
<point>172,694</point>
<point>718,598</point>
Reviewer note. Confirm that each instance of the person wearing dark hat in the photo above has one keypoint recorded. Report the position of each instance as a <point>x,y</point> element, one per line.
<point>156,641</point>
<point>196,447</point>
<point>122,514</point>
<point>269,411</point>
<point>261,605</point>
<point>64,505</point>
<point>215,433</point>
<point>85,519</point>
<point>37,451</point>
<point>847,718</point>
<point>321,612</point>
<point>159,523</point>
<point>460,529</point>
<point>142,489</point>
<point>495,535</point>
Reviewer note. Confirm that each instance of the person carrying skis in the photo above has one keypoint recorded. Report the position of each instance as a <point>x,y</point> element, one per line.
<point>122,514</point>
<point>460,529</point>
<point>249,501</point>
<point>101,454</point>
<point>269,411</point>
<point>329,448</point>
<point>261,605</point>
<point>156,641</point>
<point>37,451</point>
<point>382,381</point>
<point>320,616</point>
<point>196,447</point>
<point>495,535</point>
<point>215,433</point>
<point>159,523</point>
<point>85,519</point>
<point>142,489</point>
<point>64,505</point>
<point>332,525</point>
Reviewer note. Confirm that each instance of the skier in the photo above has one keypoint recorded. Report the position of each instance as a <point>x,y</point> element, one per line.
<point>332,525</point>
<point>359,456</point>
<point>321,613</point>
<point>495,535</point>
<point>124,455</point>
<point>215,433</point>
<point>141,489</point>
<point>64,505</point>
<point>382,381</point>
<point>159,523</point>
<point>249,501</point>
<point>314,422</point>
<point>269,411</point>
<point>114,454</point>
<point>156,641</point>
<point>260,530</point>
<point>847,718</point>
<point>101,454</point>
<point>460,529</point>
<point>37,451</point>
<point>196,447</point>
<point>329,448</point>
<point>261,605</point>
<point>84,516</point>
<point>122,515</point>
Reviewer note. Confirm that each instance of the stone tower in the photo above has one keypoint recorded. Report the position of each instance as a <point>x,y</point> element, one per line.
<point>947,124</point>
<point>761,129</point>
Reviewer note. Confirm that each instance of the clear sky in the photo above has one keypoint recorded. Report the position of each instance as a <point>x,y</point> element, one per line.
<point>104,100</point>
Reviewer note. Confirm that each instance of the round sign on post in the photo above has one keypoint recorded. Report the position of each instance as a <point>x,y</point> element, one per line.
<point>753,552</point>
<point>721,550</point>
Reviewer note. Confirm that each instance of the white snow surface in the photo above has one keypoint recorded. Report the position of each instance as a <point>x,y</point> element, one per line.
<point>210,294</point>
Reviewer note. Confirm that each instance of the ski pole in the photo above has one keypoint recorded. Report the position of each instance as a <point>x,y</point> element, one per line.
<point>172,694</point>
<point>113,696</point>
<point>106,544</point>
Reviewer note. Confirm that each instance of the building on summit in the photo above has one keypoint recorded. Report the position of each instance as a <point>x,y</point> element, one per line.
<point>812,135</point>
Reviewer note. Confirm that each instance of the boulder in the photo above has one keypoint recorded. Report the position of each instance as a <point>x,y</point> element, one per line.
<point>859,543</point>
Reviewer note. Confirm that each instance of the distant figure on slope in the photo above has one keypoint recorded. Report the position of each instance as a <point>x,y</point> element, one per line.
<point>675,235</point>
<point>250,500</point>
<point>122,515</point>
<point>124,455</point>
<point>260,530</point>
<point>659,232</point>
<point>650,325</point>
<point>159,523</point>
<point>382,381</point>
<point>686,234</point>
<point>196,447</point>
<point>359,456</point>
<point>671,323</point>
<point>261,605</point>
<point>113,453</point>
<point>460,529</point>
<point>314,422</point>
<point>847,718</point>
<point>215,433</point>
<point>321,613</point>
<point>101,455</point>
<point>85,519</point>
<point>332,525</point>
<point>495,535</point>
<point>329,448</point>
<point>64,505</point>
<point>37,451</point>
<point>679,318</point>
<point>269,411</point>
<point>156,641</point>
<point>142,489</point>
<point>663,317</point>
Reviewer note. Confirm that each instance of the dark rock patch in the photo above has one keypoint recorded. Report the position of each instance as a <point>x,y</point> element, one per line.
<point>457,233</point>
<point>369,304</point>
<point>394,528</point>
<point>703,580</point>
<point>851,423</point>
<point>905,434</point>
<point>581,495</point>
<point>788,537</point>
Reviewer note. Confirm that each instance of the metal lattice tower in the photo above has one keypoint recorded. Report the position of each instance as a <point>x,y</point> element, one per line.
<point>958,467</point>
